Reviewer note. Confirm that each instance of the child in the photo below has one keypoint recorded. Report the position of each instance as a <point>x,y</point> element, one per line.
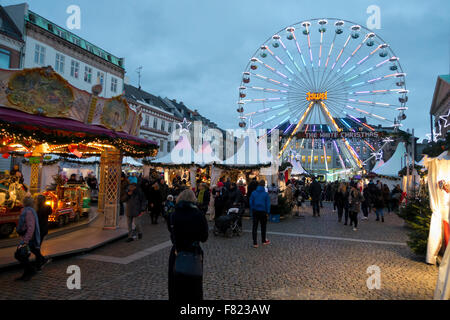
<point>169,207</point>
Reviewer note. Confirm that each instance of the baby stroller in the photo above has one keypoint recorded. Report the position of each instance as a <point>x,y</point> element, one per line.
<point>231,224</point>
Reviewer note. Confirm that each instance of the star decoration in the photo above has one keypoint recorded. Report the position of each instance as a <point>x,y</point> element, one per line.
<point>435,133</point>
<point>184,126</point>
<point>378,155</point>
<point>445,118</point>
<point>388,140</point>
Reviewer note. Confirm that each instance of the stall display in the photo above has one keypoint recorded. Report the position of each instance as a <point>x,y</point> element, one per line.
<point>11,196</point>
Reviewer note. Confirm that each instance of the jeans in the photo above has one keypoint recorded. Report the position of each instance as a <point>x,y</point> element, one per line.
<point>342,209</point>
<point>259,216</point>
<point>316,207</point>
<point>354,218</point>
<point>378,212</point>
<point>137,223</point>
<point>365,209</point>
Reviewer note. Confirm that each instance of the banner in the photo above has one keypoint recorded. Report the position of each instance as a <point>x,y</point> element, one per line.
<point>337,135</point>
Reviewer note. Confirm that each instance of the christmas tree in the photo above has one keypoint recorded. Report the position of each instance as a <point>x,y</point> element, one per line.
<point>417,214</point>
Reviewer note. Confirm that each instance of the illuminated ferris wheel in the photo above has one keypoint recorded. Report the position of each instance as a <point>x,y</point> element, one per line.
<point>324,75</point>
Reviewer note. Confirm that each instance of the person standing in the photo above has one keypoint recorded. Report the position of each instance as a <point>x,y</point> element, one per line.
<point>123,190</point>
<point>365,205</point>
<point>260,208</point>
<point>316,193</point>
<point>273,194</point>
<point>42,211</point>
<point>136,207</point>
<point>289,194</point>
<point>379,205</point>
<point>220,195</point>
<point>164,189</point>
<point>203,197</point>
<point>155,202</point>
<point>341,200</point>
<point>28,230</point>
<point>355,205</point>
<point>386,197</point>
<point>188,227</point>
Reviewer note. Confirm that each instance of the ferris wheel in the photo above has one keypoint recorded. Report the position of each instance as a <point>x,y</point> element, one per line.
<point>324,75</point>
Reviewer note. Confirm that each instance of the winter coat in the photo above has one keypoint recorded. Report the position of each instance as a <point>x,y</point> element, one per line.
<point>355,201</point>
<point>273,194</point>
<point>260,200</point>
<point>28,227</point>
<point>341,199</point>
<point>315,190</point>
<point>136,203</point>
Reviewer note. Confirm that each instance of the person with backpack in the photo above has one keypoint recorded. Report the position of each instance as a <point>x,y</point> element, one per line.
<point>355,205</point>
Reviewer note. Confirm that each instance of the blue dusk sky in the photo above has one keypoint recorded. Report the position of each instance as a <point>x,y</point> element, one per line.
<point>196,50</point>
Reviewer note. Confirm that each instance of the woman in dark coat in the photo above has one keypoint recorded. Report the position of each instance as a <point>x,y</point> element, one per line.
<point>188,227</point>
<point>341,199</point>
<point>43,211</point>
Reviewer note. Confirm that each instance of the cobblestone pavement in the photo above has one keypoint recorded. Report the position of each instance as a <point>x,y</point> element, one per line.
<point>300,263</point>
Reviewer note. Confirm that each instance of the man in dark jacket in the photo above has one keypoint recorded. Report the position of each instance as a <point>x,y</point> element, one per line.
<point>136,207</point>
<point>220,195</point>
<point>315,190</point>
<point>260,209</point>
<point>155,202</point>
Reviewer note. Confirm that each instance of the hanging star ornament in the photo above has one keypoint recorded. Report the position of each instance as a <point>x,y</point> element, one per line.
<point>388,140</point>
<point>435,133</point>
<point>445,118</point>
<point>184,126</point>
<point>378,155</point>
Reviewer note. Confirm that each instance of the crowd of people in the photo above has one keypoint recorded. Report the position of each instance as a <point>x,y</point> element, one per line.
<point>348,198</point>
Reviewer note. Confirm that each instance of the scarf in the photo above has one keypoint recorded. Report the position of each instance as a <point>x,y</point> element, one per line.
<point>200,196</point>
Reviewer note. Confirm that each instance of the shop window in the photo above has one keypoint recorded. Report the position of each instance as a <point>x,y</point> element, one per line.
<point>114,84</point>
<point>322,159</point>
<point>329,159</point>
<point>309,159</point>
<point>316,159</point>
<point>303,159</point>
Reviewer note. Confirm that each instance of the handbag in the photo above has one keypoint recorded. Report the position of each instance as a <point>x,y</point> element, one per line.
<point>187,263</point>
<point>22,253</point>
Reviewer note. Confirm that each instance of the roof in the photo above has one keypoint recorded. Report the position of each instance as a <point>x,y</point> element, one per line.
<point>8,26</point>
<point>441,94</point>
<point>51,27</point>
<point>131,92</point>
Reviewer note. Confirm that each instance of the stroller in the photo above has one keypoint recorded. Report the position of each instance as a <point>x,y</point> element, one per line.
<point>230,224</point>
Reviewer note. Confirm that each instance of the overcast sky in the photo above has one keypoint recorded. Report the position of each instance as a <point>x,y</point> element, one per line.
<point>196,50</point>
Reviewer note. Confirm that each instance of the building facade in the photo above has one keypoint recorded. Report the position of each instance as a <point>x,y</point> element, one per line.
<point>440,107</point>
<point>80,62</point>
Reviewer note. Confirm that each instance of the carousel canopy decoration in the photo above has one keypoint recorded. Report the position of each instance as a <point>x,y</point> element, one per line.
<point>38,106</point>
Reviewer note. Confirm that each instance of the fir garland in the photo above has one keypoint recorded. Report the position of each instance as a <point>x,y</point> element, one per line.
<point>418,168</point>
<point>31,137</point>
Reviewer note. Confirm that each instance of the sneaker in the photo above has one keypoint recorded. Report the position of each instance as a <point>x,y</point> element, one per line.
<point>255,246</point>
<point>354,229</point>
<point>266,242</point>
<point>130,239</point>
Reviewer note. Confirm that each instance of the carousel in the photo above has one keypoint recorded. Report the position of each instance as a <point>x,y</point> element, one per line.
<point>41,114</point>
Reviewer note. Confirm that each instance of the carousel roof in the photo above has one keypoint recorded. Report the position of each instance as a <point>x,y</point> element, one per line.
<point>52,130</point>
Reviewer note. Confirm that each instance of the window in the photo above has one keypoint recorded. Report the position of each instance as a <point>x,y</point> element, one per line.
<point>169,127</point>
<point>309,159</point>
<point>155,123</point>
<point>364,150</point>
<point>59,63</point>
<point>39,54</point>
<point>322,159</point>
<point>316,159</point>
<point>74,69</point>
<point>146,120</point>
<point>329,159</point>
<point>100,77</point>
<point>62,34</point>
<point>76,41</point>
<point>161,144</point>
<point>5,57</point>
<point>303,159</point>
<point>163,124</point>
<point>87,74</point>
<point>113,84</point>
